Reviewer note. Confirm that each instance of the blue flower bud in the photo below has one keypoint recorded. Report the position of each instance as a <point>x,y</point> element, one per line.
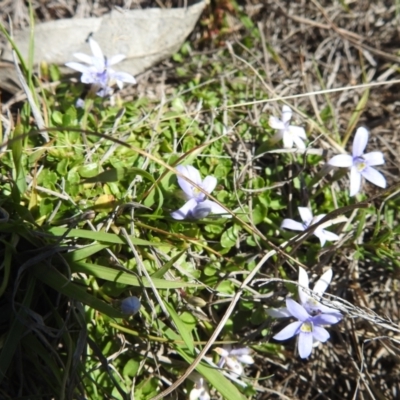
<point>130,305</point>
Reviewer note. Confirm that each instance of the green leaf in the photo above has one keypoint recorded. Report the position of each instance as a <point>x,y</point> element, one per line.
<point>164,269</point>
<point>119,276</point>
<point>17,154</point>
<point>53,278</point>
<point>111,238</point>
<point>16,331</point>
<point>182,329</point>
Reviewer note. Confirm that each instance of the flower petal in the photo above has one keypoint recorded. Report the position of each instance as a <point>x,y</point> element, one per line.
<point>191,173</point>
<point>115,59</point>
<point>305,344</point>
<point>305,214</point>
<point>185,211</point>
<point>276,123</point>
<point>297,310</point>
<point>246,359</point>
<point>216,208</point>
<point>321,334</point>
<point>374,176</point>
<point>286,114</point>
<point>298,142</point>
<point>360,142</point>
<point>234,365</point>
<point>355,181</point>
<point>341,160</point>
<point>96,50</point>
<point>327,319</point>
<point>278,312</point>
<point>240,351</point>
<point>287,140</point>
<point>289,331</point>
<point>374,158</point>
<point>202,210</point>
<point>120,77</point>
<point>322,283</point>
<point>297,131</point>
<point>324,236</point>
<point>209,183</point>
<point>78,67</point>
<point>84,58</point>
<point>303,281</point>
<point>292,224</point>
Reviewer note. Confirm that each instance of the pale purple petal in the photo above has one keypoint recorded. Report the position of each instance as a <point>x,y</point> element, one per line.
<point>326,319</point>
<point>209,183</point>
<point>374,176</point>
<point>324,235</point>
<point>322,283</point>
<point>123,77</point>
<point>89,77</point>
<point>185,211</point>
<point>360,142</point>
<point>303,281</point>
<point>286,114</point>
<point>318,218</point>
<point>297,310</point>
<point>279,312</point>
<point>355,181</point>
<point>288,331</point>
<point>319,233</point>
<point>96,50</point>
<point>201,210</point>
<point>190,173</point>
<point>84,58</point>
<point>246,359</point>
<point>298,142</point>
<point>287,140</point>
<point>374,158</point>
<point>115,59</point>
<point>215,208</point>
<point>321,334</point>
<point>234,366</point>
<point>78,67</point>
<point>305,215</point>
<point>305,344</point>
<point>292,224</point>
<point>240,352</point>
<point>330,236</point>
<point>297,131</point>
<point>276,123</point>
<point>334,315</point>
<point>341,160</point>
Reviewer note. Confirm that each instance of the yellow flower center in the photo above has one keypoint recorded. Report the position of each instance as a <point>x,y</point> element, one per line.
<point>307,327</point>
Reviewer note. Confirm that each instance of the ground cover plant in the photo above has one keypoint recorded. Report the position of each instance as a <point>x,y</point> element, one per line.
<point>161,239</point>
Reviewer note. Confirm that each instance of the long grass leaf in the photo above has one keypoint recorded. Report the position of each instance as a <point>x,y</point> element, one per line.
<point>114,275</point>
<point>51,277</point>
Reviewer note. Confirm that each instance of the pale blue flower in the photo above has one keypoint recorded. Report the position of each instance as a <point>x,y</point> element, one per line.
<point>288,133</point>
<point>361,164</point>
<point>234,358</point>
<point>309,328</point>
<point>197,205</point>
<point>312,302</point>
<point>98,72</point>
<point>307,217</point>
<point>200,390</point>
